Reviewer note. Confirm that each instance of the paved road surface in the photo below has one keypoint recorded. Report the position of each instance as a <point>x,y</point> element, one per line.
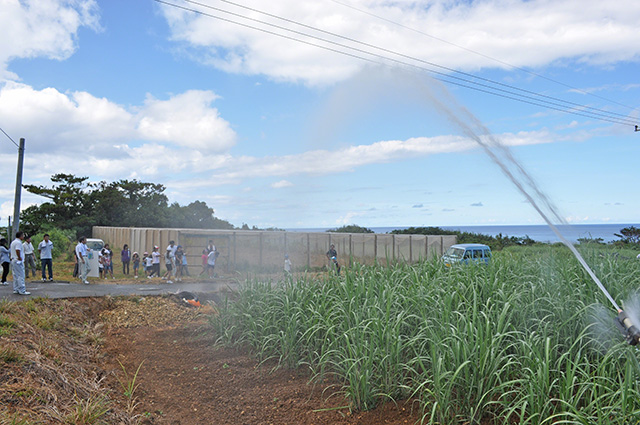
<point>57,289</point>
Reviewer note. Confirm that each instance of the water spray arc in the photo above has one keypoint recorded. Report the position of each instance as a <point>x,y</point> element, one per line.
<point>471,126</point>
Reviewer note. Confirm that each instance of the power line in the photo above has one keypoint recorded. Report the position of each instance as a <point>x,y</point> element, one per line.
<point>13,141</point>
<point>528,94</point>
<point>528,71</point>
<point>504,90</point>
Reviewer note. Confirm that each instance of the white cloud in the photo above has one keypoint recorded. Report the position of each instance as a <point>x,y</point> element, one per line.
<point>59,122</point>
<point>282,183</point>
<point>35,28</point>
<point>187,120</point>
<point>348,218</point>
<point>522,33</point>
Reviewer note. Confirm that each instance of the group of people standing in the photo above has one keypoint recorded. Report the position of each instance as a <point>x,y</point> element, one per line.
<point>20,259</point>
<point>175,260</point>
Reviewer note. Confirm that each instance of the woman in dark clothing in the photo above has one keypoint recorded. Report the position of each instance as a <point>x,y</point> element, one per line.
<point>125,256</point>
<point>5,260</point>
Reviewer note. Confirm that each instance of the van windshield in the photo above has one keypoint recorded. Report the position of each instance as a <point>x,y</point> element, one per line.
<point>454,252</point>
<point>95,245</point>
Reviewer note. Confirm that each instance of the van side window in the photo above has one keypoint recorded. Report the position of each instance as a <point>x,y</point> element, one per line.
<point>477,253</point>
<point>487,253</point>
<point>467,254</point>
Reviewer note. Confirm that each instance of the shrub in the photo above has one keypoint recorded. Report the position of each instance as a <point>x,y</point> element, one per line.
<point>62,241</point>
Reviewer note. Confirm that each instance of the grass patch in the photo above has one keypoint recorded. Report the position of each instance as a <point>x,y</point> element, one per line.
<point>46,321</point>
<point>7,325</point>
<point>89,411</point>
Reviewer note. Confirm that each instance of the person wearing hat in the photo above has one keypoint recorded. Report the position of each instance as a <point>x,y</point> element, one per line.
<point>332,255</point>
<point>148,264</point>
<point>155,260</point>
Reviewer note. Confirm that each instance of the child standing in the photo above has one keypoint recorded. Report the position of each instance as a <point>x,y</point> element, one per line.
<point>155,258</point>
<point>101,273</point>
<point>107,261</point>
<point>185,266</point>
<point>148,264</point>
<point>135,259</point>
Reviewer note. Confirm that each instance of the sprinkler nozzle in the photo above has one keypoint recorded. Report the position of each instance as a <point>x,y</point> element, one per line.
<point>629,330</point>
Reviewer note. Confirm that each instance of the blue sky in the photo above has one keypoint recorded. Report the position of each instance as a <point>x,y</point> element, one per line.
<point>273,132</point>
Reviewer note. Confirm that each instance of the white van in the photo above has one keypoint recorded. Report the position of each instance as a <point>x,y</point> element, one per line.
<point>466,253</point>
<point>94,245</point>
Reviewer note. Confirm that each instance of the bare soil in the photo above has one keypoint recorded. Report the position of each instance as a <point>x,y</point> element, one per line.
<point>184,378</point>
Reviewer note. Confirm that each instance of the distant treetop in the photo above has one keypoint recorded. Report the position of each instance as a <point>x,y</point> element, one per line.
<point>351,228</point>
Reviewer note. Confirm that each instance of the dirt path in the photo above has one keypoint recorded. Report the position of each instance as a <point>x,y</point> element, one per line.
<point>186,380</point>
<point>60,363</point>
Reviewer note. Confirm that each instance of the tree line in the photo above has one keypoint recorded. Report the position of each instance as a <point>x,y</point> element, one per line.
<point>629,236</point>
<point>76,205</point>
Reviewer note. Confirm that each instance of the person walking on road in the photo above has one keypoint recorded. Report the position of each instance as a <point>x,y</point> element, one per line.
<point>45,248</point>
<point>83,261</point>
<point>17,265</point>
<point>29,257</point>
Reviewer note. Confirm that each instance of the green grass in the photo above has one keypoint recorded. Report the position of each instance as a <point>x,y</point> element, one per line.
<point>529,339</point>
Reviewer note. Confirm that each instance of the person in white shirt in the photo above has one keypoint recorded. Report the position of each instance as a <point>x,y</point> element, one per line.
<point>29,257</point>
<point>211,263</point>
<point>83,261</point>
<point>155,256</point>
<point>17,265</point>
<point>45,248</point>
<point>170,261</point>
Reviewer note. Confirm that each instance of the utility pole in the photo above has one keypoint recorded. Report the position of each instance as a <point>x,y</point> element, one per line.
<point>16,205</point>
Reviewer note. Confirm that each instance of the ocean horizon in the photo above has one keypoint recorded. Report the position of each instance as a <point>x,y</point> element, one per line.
<point>537,232</point>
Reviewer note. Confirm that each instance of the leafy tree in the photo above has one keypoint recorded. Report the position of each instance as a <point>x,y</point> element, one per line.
<point>67,208</point>
<point>351,228</point>
<point>496,242</point>
<point>62,241</point>
<point>77,205</point>
<point>196,215</point>
<point>629,235</point>
<point>592,241</point>
<point>423,231</point>
<point>130,203</point>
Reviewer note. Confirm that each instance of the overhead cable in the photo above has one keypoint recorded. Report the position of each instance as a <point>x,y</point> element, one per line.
<point>510,88</point>
<point>475,52</point>
<point>9,137</point>
<point>483,85</point>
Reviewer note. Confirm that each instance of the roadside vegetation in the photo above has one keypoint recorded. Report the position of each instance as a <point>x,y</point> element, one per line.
<point>48,365</point>
<point>528,339</point>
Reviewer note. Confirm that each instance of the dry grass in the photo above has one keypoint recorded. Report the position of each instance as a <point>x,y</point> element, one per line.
<point>52,366</point>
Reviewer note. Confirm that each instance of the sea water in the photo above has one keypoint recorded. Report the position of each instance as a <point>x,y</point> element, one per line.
<point>537,232</point>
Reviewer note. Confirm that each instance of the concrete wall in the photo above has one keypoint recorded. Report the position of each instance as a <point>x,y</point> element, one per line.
<point>264,250</point>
